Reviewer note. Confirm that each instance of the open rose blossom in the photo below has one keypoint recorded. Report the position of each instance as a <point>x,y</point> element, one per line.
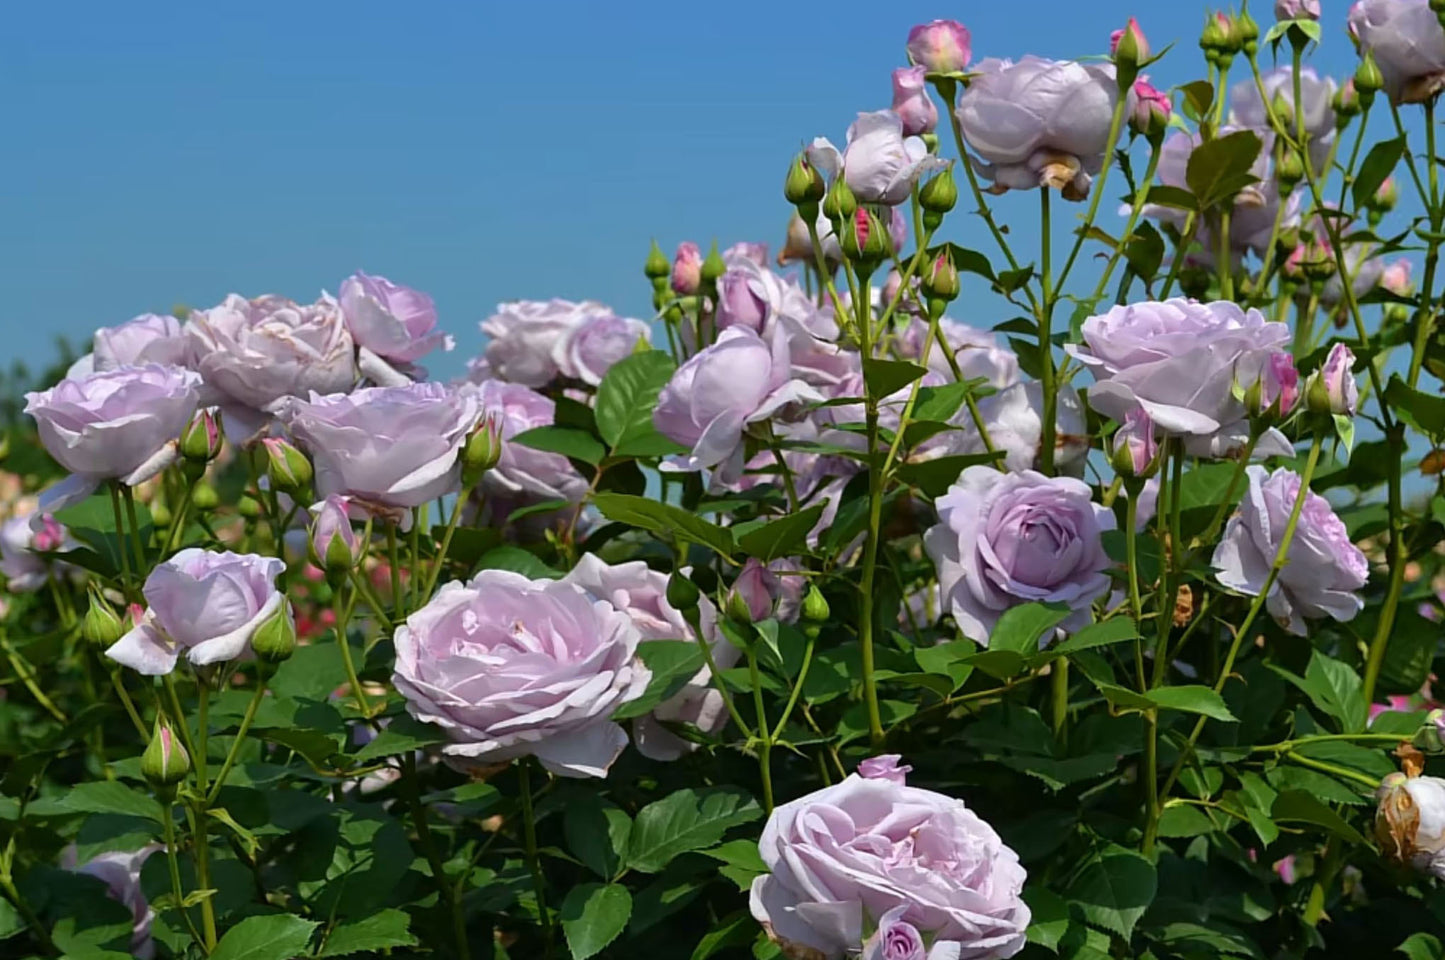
<point>880,164</point>
<point>641,593</point>
<point>1177,360</point>
<point>1039,123</point>
<point>204,604</point>
<point>1009,538</point>
<point>511,667</point>
<point>387,448</point>
<point>1323,570</point>
<point>524,471</point>
<point>394,326</point>
<point>148,338</point>
<point>1410,821</point>
<point>525,337</point>
<point>711,399</point>
<point>120,424</point>
<point>853,853</point>
<point>591,347</point>
<point>1246,108</point>
<point>255,353</point>
<point>1408,45</point>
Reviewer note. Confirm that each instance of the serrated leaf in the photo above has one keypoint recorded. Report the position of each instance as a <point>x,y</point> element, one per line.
<point>1115,889</point>
<point>627,396</point>
<point>683,821</point>
<point>1299,806</point>
<point>570,443</point>
<point>279,936</point>
<point>672,663</point>
<point>886,377</point>
<point>597,832</point>
<point>781,538</point>
<point>1422,411</point>
<point>1115,630</point>
<point>935,476</point>
<point>110,796</point>
<point>664,519</point>
<point>402,734</point>
<point>1421,946</point>
<point>1021,629</point>
<point>593,914</point>
<point>382,930</point>
<point>1378,164</point>
<point>1218,169</point>
<point>1192,699</point>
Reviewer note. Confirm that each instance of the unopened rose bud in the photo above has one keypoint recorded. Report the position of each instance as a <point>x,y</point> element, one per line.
<point>201,440</point>
<point>1430,738</point>
<point>1387,196</point>
<point>481,452</point>
<point>1332,389</point>
<point>1128,46</point>
<point>275,639</point>
<point>940,194</point>
<point>656,266</point>
<point>165,762</point>
<point>865,239</point>
<point>815,606</point>
<point>1152,110</point>
<point>1290,170</point>
<point>804,184</point>
<point>940,277</point>
<point>204,496</point>
<point>1297,9</point>
<point>1283,109</point>
<point>1248,32</point>
<point>1134,446</point>
<point>1410,821</point>
<point>687,268</point>
<point>682,593</point>
<point>1368,79</point>
<point>160,514</point>
<point>335,545</point>
<point>1346,103</point>
<point>102,626</point>
<point>839,202</point>
<point>752,596</point>
<point>713,266</point>
<point>942,46</point>
<point>1317,260</point>
<point>248,506</point>
<point>288,468</point>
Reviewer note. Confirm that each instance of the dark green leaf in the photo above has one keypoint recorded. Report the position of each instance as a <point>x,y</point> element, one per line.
<point>1115,889</point>
<point>402,734</point>
<point>1116,630</point>
<point>1198,99</point>
<point>935,476</point>
<point>1336,689</point>
<point>517,560</point>
<point>1299,806</point>
<point>1421,946</point>
<point>570,443</point>
<point>940,403</point>
<point>279,936</point>
<point>1192,699</point>
<point>665,520</point>
<point>1177,197</point>
<point>1379,163</point>
<point>1021,628</point>
<point>597,832</point>
<point>380,931</point>
<point>886,377</point>
<point>1218,169</point>
<point>110,796</point>
<point>683,821</point>
<point>593,914</point>
<point>672,663</point>
<point>781,538</point>
<point>1422,411</point>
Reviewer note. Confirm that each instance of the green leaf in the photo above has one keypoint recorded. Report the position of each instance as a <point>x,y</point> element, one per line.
<point>277,937</point>
<point>886,377</point>
<point>110,796</point>
<point>1336,689</point>
<point>1050,917</point>
<point>1378,165</point>
<point>664,519</point>
<point>935,476</point>
<point>1115,889</point>
<point>570,443</point>
<point>673,663</point>
<point>1421,946</point>
<point>1300,806</point>
<point>1193,699</point>
<point>1177,197</point>
<point>402,734</point>
<point>517,560</point>
<point>1021,628</point>
<point>593,914</point>
<point>381,931</point>
<point>683,821</point>
<point>626,398</point>
<point>1183,820</point>
<point>966,260</point>
<point>735,930</point>
<point>1218,169</point>
<point>781,538</point>
<point>1422,411</point>
<point>1115,630</point>
<point>1198,99</point>
<point>940,403</point>
<point>597,832</point>
<point>92,523</point>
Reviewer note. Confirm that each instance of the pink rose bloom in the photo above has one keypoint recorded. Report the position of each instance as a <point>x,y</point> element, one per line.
<point>941,46</point>
<point>912,103</point>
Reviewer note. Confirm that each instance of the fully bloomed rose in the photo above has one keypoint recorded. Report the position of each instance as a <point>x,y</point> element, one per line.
<point>1014,419</point>
<point>525,335</point>
<point>1039,123</point>
<point>120,871</point>
<point>977,352</point>
<point>511,667</point>
<point>880,164</point>
<point>1323,570</point>
<point>206,605</point>
<point>255,353</point>
<point>390,323</point>
<point>120,424</point>
<point>1408,45</point>
<point>148,338</point>
<point>1247,109</point>
<point>1009,538</point>
<point>524,471</point>
<point>856,851</point>
<point>589,349</point>
<point>386,448</point>
<point>711,399</point>
<point>1178,361</point>
<point>641,593</point>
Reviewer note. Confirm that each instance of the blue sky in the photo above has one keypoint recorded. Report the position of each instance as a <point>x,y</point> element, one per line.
<point>164,153</point>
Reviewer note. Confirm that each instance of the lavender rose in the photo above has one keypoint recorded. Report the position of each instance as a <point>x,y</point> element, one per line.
<point>522,470</point>
<point>511,667</point>
<point>711,399</point>
<point>641,593</point>
<point>120,424</point>
<point>394,326</point>
<point>1408,45</point>
<point>120,871</point>
<point>589,349</point>
<point>254,353</point>
<point>387,448</point>
<point>864,847</point>
<point>1039,123</point>
<point>204,604</point>
<point>897,939</point>
<point>911,101</point>
<point>22,538</point>
<point>1014,419</point>
<point>1009,538</point>
<point>1178,361</point>
<point>977,352</point>
<point>1297,9</point>
<point>525,334</point>
<point>769,591</point>
<point>1323,570</point>
<point>879,164</point>
<point>1247,109</point>
<point>885,767</point>
<point>148,338</point>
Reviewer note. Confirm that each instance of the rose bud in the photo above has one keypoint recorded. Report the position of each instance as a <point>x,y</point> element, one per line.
<point>481,452</point>
<point>1332,388</point>
<point>656,266</point>
<point>1152,110</point>
<point>1128,46</point>
<point>940,194</point>
<point>687,268</point>
<point>1134,445</point>
<point>201,440</point>
<point>335,545</point>
<point>165,762</point>
<point>287,467</point>
<point>942,46</point>
<point>803,184</point>
<point>101,626</point>
<point>275,639</point>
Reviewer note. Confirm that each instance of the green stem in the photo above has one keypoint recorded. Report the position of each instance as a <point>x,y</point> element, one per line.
<point>119,683</point>
<point>27,676</point>
<point>811,633</point>
<point>238,742</point>
<point>1186,240</point>
<point>694,621</point>
<point>1059,683</point>
<point>32,922</point>
<point>417,521</point>
<point>178,890</point>
<point>398,602</point>
<point>445,894</point>
<point>1116,128</point>
<point>140,553</point>
<point>1225,265</point>
<point>1131,562</point>
<point>436,570</point>
<point>179,522</point>
<point>1332,769</point>
<point>202,825</point>
<point>1141,197</point>
<point>1397,558</point>
<point>131,592</point>
<point>1425,319</point>
<point>534,863</point>
<point>765,753</point>
<point>343,642</point>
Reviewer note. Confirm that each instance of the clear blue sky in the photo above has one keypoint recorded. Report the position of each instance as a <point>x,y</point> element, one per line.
<point>163,153</point>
